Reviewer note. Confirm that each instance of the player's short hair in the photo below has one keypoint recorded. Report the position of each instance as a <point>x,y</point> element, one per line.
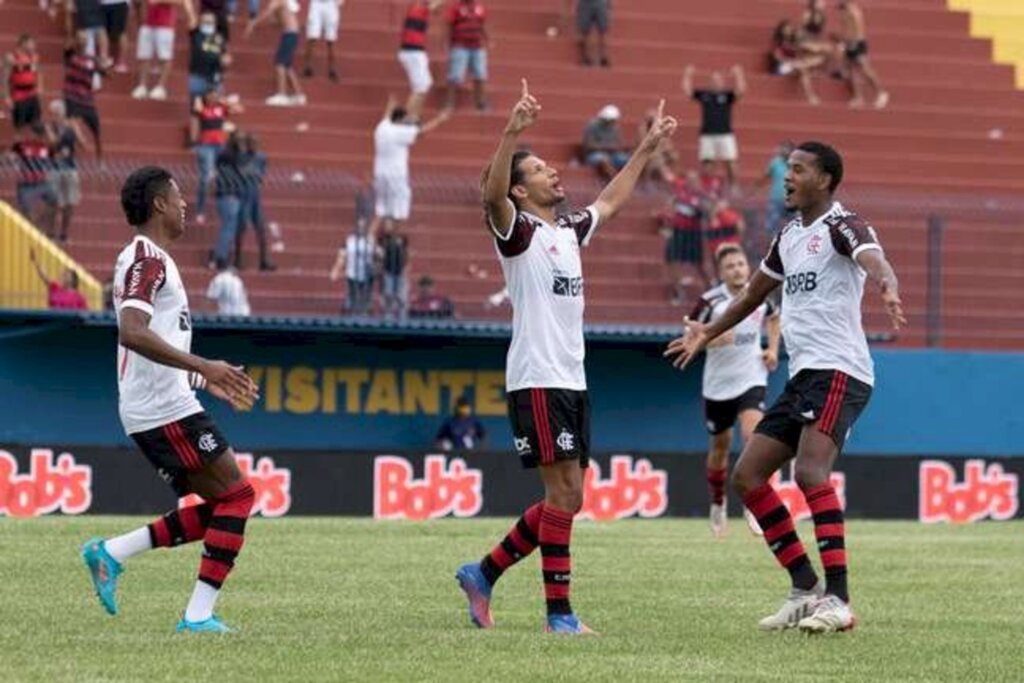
<point>516,174</point>
<point>727,249</point>
<point>139,190</point>
<point>397,114</point>
<point>828,159</point>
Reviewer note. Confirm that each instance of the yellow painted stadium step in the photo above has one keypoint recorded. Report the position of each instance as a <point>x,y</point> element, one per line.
<point>1001,21</point>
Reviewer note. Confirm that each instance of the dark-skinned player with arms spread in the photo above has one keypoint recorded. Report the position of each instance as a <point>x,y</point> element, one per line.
<point>549,407</point>
<point>821,259</point>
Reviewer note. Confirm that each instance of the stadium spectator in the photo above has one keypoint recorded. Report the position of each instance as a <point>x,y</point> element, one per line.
<point>792,55</point>
<point>64,137</point>
<point>392,138</point>
<point>156,41</point>
<point>429,304</point>
<point>393,250</point>
<point>412,54</point>
<point>717,139</point>
<point>603,147</point>
<point>468,50</point>
<point>712,184</point>
<point>461,431</point>
<point>682,227</point>
<point>115,23</point>
<point>207,57</point>
<point>254,169</point>
<point>36,198</point>
<point>209,133</point>
<point>355,259</point>
<point>661,167</point>
<point>25,84</point>
<point>322,23</point>
<point>725,225</point>
<point>228,290</point>
<point>774,177</point>
<point>230,189</point>
<point>855,49</point>
<point>590,15</point>
<point>286,12</point>
<point>814,20</point>
<point>254,8</point>
<point>62,295</point>
<point>219,10</point>
<point>85,23</point>
<point>80,70</point>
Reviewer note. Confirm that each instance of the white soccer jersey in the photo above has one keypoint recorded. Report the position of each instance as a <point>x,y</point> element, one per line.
<point>152,395</point>
<point>822,290</point>
<point>544,276</point>
<point>733,369</point>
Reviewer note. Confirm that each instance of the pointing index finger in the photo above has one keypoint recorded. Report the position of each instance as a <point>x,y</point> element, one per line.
<point>661,109</point>
<point>526,89</point>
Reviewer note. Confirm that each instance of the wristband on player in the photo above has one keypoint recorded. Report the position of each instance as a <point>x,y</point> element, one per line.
<point>196,381</point>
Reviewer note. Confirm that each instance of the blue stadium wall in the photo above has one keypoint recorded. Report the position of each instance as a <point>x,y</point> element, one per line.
<point>380,389</point>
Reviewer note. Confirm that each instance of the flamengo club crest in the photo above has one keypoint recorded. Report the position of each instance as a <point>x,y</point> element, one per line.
<point>814,244</point>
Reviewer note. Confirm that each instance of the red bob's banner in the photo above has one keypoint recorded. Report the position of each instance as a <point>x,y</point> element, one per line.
<point>46,479</point>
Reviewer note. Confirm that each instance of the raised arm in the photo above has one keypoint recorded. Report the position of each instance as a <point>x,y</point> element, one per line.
<point>688,80</point>
<point>433,123</point>
<point>697,335</point>
<point>741,81</point>
<point>191,16</point>
<point>615,194</point>
<point>496,184</point>
<point>873,261</point>
<point>39,269</point>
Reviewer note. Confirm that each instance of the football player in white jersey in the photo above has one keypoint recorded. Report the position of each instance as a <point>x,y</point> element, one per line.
<point>547,391</point>
<point>735,375</point>
<point>157,377</point>
<point>821,259</point>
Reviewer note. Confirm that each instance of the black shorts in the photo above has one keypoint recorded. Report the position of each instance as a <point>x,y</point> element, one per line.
<point>550,425</point>
<point>720,416</point>
<point>831,398</point>
<point>592,14</point>
<point>178,448</point>
<point>115,19</point>
<point>26,112</point>
<point>89,116</point>
<point>286,49</point>
<point>683,247</point>
<point>856,50</point>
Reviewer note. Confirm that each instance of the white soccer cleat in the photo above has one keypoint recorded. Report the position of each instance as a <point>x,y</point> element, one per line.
<point>140,93</point>
<point>717,520</point>
<point>755,528</point>
<point>158,93</point>
<point>798,605</point>
<point>830,615</point>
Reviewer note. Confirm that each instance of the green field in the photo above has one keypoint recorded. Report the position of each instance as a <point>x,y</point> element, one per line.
<point>354,600</point>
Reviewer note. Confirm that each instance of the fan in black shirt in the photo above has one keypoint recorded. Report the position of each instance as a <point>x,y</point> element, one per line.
<point>717,140</point>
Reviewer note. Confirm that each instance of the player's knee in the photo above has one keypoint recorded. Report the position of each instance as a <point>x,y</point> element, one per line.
<point>566,495</point>
<point>743,481</point>
<point>809,474</point>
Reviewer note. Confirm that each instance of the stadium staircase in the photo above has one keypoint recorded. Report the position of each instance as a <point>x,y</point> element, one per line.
<point>950,145</point>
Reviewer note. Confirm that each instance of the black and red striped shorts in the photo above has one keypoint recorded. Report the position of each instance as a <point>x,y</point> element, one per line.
<point>550,425</point>
<point>177,448</point>
<point>830,398</point>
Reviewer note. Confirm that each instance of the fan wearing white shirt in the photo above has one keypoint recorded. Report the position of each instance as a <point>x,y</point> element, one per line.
<point>228,290</point>
<point>548,404</point>
<point>392,138</point>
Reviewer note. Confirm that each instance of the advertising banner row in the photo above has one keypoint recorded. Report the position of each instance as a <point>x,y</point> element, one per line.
<point>46,479</point>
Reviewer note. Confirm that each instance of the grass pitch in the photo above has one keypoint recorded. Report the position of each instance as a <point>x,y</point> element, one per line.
<point>356,600</point>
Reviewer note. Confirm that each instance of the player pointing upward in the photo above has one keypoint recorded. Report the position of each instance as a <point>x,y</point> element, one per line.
<point>820,259</point>
<point>547,390</point>
<point>156,378</point>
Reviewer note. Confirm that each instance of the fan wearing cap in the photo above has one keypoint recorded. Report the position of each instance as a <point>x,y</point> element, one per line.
<point>603,148</point>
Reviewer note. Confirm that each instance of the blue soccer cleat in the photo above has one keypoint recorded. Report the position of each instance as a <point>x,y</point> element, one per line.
<point>478,592</point>
<point>104,571</point>
<point>211,625</point>
<point>567,623</point>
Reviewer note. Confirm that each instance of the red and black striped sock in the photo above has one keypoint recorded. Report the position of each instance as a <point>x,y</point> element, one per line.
<point>556,563</point>
<point>829,529</point>
<point>520,542</point>
<point>780,534</point>
<point>180,526</point>
<point>225,534</point>
<point>716,484</point>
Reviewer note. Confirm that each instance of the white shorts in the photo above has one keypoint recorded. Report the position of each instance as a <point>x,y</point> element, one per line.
<point>393,197</point>
<point>323,20</point>
<point>417,68</point>
<point>718,148</point>
<point>155,41</point>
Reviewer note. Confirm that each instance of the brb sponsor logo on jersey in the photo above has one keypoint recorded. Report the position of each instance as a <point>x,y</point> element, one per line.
<point>60,485</point>
<point>567,286</point>
<point>447,488</point>
<point>985,493</point>
<point>272,484</point>
<point>633,487</point>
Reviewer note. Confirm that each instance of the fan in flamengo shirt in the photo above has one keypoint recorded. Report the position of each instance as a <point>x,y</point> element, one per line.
<point>821,260</point>
<point>156,379</point>
<point>547,393</point>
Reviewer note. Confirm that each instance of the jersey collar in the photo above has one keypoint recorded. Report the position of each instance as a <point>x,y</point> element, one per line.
<point>835,210</point>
